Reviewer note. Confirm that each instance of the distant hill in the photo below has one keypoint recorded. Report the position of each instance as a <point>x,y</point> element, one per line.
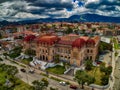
<point>74,18</point>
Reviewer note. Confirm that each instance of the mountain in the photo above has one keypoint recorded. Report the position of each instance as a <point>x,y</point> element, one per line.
<point>74,18</point>
<point>95,18</point>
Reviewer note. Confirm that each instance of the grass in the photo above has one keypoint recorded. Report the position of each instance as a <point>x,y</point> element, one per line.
<point>56,70</point>
<point>26,61</point>
<point>95,72</point>
<point>116,45</point>
<point>56,79</point>
<point>23,86</point>
<point>44,74</point>
<point>2,77</point>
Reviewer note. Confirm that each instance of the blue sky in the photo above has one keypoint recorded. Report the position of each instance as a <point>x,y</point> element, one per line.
<point>13,10</point>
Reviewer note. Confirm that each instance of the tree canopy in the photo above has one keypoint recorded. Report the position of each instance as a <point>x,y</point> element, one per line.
<point>82,77</point>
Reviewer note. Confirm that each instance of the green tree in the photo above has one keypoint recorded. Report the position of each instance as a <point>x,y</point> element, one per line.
<point>104,46</point>
<point>29,52</point>
<point>82,77</point>
<point>38,85</point>
<point>69,30</point>
<point>108,70</point>
<point>51,88</point>
<point>93,29</point>
<point>83,31</point>
<point>57,58</point>
<point>102,67</point>
<point>104,79</point>
<point>46,83</point>
<point>88,65</point>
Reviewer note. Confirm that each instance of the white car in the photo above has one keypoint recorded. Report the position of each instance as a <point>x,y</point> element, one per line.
<point>62,83</point>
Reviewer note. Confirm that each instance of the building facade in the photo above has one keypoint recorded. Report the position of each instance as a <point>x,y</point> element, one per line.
<point>71,48</point>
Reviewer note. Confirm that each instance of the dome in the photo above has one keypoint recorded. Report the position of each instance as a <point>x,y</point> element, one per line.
<point>29,38</point>
<point>79,42</point>
<point>90,41</point>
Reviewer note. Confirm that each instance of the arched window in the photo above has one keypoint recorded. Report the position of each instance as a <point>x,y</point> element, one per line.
<point>91,51</point>
<point>87,50</point>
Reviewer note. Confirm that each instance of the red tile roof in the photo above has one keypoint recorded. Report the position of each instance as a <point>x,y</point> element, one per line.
<point>29,38</point>
<point>79,42</point>
<point>65,42</point>
<point>47,39</point>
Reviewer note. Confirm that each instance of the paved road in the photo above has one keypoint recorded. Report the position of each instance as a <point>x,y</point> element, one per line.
<point>117,75</point>
<point>28,77</point>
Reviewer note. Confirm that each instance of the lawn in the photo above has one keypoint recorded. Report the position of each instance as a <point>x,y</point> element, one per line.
<point>56,70</point>
<point>95,72</point>
<point>26,61</point>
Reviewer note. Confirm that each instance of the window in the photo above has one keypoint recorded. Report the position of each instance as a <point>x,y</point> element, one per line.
<point>90,57</point>
<point>91,51</point>
<point>87,50</point>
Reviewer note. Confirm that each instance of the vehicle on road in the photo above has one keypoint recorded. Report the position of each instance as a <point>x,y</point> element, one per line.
<point>73,86</point>
<point>62,83</point>
<point>22,70</point>
<point>31,71</point>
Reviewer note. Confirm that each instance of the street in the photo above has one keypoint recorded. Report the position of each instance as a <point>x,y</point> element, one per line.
<point>29,78</point>
<point>117,75</point>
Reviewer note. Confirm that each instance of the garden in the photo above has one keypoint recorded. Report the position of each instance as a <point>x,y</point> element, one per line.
<point>56,70</point>
<point>15,52</point>
<point>27,60</point>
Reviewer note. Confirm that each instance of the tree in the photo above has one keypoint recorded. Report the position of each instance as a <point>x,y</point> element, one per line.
<point>104,79</point>
<point>40,85</point>
<point>88,65</point>
<point>57,58</point>
<point>82,77</point>
<point>83,31</point>
<point>93,29</point>
<point>51,88</point>
<point>108,70</point>
<point>102,67</point>
<point>30,52</point>
<point>69,30</point>
<point>46,83</point>
<point>105,46</point>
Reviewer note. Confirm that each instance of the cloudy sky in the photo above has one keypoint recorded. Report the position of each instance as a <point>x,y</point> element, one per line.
<point>32,9</point>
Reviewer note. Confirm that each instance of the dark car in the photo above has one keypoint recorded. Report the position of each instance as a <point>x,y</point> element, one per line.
<point>73,86</point>
<point>22,70</point>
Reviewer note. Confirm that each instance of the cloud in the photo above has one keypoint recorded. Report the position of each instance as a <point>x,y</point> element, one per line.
<point>33,9</point>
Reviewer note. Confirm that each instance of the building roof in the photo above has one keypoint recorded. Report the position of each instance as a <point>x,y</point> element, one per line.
<point>65,42</point>
<point>79,42</point>
<point>90,41</point>
<point>72,35</point>
<point>85,37</point>
<point>29,38</point>
<point>47,39</point>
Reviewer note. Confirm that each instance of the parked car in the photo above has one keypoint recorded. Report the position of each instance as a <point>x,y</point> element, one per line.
<point>73,86</point>
<point>22,70</point>
<point>62,83</point>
